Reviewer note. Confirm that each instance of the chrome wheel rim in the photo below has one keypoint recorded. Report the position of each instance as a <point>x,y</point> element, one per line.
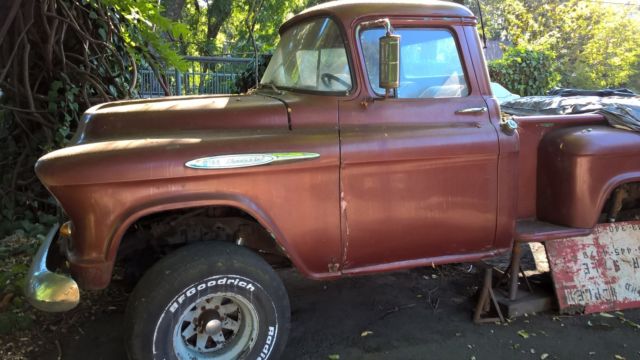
<point>221,326</point>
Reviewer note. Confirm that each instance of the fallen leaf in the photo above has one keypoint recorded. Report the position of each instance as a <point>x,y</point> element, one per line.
<point>523,334</point>
<point>619,357</point>
<point>629,322</point>
<point>607,315</point>
<point>544,356</point>
<point>366,333</point>
<point>334,357</point>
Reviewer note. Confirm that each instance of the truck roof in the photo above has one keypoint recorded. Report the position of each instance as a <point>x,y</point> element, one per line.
<point>349,10</point>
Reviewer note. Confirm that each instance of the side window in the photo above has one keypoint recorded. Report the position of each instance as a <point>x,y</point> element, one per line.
<point>430,65</point>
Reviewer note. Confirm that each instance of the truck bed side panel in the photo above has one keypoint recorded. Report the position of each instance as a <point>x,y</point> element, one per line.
<point>579,167</point>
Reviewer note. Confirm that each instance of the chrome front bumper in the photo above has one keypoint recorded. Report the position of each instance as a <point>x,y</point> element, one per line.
<point>46,290</point>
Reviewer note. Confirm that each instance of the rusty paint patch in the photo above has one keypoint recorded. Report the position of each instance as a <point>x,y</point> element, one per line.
<point>599,272</point>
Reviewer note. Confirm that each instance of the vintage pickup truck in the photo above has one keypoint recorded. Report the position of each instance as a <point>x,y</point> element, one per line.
<point>373,143</point>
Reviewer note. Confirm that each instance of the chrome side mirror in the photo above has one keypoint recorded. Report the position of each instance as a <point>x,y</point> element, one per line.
<point>389,62</point>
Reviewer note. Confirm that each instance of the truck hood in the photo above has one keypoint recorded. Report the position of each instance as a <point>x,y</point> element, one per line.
<point>154,138</point>
<point>168,117</point>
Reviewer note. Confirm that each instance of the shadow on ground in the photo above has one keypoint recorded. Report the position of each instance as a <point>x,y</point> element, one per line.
<point>419,314</point>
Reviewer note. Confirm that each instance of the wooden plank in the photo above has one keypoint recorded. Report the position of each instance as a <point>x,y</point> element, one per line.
<point>599,272</point>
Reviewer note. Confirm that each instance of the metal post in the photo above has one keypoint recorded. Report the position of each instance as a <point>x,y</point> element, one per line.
<point>515,270</point>
<point>178,82</point>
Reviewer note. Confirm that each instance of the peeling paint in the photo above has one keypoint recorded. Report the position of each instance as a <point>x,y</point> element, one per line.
<point>343,209</point>
<point>599,272</point>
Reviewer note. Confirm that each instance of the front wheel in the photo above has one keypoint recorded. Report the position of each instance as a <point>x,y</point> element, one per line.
<point>208,301</point>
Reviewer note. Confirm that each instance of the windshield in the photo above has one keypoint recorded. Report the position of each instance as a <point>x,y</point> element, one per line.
<point>310,56</point>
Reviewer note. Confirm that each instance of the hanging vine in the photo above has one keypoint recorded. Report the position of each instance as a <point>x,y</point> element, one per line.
<point>58,58</point>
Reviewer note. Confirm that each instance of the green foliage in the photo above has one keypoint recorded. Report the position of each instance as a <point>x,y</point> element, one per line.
<point>73,55</point>
<point>15,252</point>
<point>10,322</point>
<point>634,82</point>
<point>247,79</point>
<point>271,15</point>
<point>142,27</point>
<point>232,37</point>
<point>595,44</point>
<point>525,71</point>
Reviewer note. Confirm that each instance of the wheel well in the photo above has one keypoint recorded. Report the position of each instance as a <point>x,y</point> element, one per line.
<point>623,204</point>
<point>156,235</point>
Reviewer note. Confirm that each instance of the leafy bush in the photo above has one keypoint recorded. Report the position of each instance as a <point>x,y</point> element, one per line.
<point>247,80</point>
<point>595,43</point>
<point>525,71</point>
<point>634,82</point>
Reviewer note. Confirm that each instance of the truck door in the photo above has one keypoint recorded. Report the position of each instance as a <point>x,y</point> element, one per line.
<point>419,171</point>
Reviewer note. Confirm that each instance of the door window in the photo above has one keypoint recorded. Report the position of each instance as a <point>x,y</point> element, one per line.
<point>430,65</point>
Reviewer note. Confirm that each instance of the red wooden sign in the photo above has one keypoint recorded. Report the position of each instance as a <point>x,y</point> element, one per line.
<point>599,272</point>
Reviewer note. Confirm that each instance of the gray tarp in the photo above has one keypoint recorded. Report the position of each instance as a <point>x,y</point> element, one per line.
<point>620,112</point>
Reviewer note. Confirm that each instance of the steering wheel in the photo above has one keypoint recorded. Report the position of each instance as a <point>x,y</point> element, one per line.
<point>327,78</point>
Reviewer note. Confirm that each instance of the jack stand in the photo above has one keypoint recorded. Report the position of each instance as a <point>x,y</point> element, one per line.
<point>513,272</point>
<point>487,298</point>
<point>517,302</point>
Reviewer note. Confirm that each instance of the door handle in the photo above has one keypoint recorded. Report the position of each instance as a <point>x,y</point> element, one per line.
<point>476,110</point>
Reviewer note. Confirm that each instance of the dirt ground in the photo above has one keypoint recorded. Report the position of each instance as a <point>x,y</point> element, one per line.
<point>419,314</point>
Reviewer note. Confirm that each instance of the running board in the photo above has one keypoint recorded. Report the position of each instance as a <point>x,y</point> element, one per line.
<point>532,230</point>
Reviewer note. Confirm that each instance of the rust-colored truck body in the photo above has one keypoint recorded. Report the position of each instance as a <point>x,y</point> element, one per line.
<point>392,184</point>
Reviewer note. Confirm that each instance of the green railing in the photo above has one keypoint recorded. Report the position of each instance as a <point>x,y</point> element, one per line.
<point>205,75</point>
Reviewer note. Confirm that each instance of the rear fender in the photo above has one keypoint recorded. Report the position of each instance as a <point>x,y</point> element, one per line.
<point>614,183</point>
<point>579,167</point>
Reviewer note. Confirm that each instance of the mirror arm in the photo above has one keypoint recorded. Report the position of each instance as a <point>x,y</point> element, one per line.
<point>389,76</point>
<point>384,22</point>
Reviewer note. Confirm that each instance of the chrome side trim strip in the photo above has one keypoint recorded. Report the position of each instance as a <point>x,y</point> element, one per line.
<point>246,160</point>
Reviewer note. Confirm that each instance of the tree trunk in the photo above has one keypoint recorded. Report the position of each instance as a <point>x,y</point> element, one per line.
<point>217,13</point>
<point>173,9</point>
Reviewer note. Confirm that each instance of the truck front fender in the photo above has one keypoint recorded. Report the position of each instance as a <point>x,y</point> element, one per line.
<point>237,201</point>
